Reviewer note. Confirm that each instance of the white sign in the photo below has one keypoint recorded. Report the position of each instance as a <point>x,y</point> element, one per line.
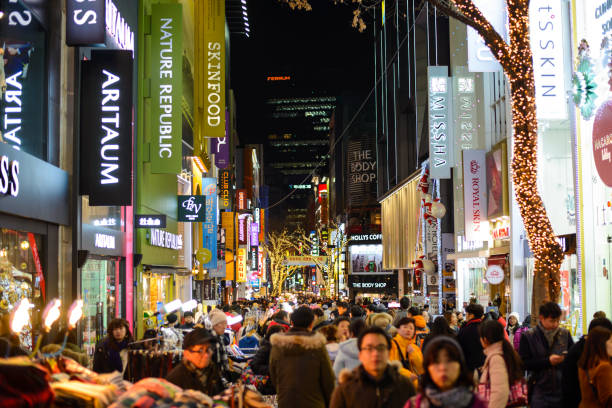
<point>9,176</point>
<point>104,241</point>
<point>474,195</point>
<point>494,274</point>
<point>465,113</point>
<point>440,131</point>
<point>165,239</point>
<point>546,31</point>
<point>105,222</point>
<point>117,28</point>
<point>480,58</point>
<point>12,110</point>
<point>366,237</point>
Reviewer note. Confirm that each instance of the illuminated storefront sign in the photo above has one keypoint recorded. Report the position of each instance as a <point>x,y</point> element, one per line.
<point>465,113</point>
<point>241,259</point>
<point>500,229</point>
<point>106,128</point>
<point>474,195</point>
<point>209,226</point>
<point>104,241</point>
<point>150,220</point>
<point>165,239</point>
<point>191,208</point>
<point>166,88</point>
<point>225,189</point>
<point>105,222</point>
<point>480,58</point>
<point>9,176</point>
<point>241,200</point>
<point>440,129</point>
<point>214,94</point>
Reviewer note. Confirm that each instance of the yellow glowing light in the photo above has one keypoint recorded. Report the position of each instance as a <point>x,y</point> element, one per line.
<point>200,164</point>
<point>25,245</point>
<point>51,313</point>
<point>20,316</point>
<point>75,313</point>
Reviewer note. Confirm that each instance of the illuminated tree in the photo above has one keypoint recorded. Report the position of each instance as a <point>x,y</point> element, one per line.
<point>515,57</point>
<point>278,246</point>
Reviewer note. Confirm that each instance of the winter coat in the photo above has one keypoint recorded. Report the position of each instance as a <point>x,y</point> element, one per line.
<point>495,373</point>
<point>358,389</point>
<point>189,379</point>
<point>420,401</point>
<point>415,358</point>
<point>260,363</point>
<point>400,315</point>
<point>347,357</point>
<point>300,369</point>
<point>601,380</point>
<point>110,356</point>
<point>469,339</point>
<point>569,380</point>
<point>516,340</point>
<point>332,350</point>
<point>535,353</point>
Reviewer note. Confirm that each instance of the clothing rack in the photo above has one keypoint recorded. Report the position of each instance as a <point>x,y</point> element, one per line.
<point>148,363</point>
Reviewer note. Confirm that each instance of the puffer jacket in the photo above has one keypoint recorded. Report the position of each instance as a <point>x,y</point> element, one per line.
<point>358,389</point>
<point>495,373</point>
<point>347,357</point>
<point>415,358</point>
<point>300,369</point>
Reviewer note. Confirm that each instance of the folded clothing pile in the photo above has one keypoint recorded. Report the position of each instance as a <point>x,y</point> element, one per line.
<point>24,384</point>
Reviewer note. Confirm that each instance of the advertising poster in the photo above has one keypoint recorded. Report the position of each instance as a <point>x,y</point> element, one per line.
<point>474,194</point>
<point>241,265</point>
<point>209,226</point>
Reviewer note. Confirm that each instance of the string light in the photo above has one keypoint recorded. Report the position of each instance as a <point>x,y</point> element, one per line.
<point>516,60</point>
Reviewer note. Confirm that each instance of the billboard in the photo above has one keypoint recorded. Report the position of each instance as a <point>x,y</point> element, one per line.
<point>214,94</point>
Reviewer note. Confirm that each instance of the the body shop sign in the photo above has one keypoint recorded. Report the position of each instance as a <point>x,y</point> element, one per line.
<point>474,195</point>
<point>440,131</point>
<point>166,88</point>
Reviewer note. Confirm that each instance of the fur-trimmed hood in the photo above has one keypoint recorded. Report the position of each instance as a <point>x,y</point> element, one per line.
<point>298,339</point>
<point>354,374</point>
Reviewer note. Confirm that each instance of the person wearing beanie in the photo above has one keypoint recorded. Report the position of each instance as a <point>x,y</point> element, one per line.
<point>218,321</point>
<point>301,351</point>
<point>189,321</point>
<point>197,371</point>
<point>171,320</point>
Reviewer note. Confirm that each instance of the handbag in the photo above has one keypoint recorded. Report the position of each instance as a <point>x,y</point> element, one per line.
<point>518,396</point>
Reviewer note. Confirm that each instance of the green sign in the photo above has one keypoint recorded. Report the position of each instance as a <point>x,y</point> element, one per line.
<point>166,88</point>
<point>214,38</point>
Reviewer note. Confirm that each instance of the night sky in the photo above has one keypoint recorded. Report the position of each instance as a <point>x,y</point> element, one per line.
<point>320,49</point>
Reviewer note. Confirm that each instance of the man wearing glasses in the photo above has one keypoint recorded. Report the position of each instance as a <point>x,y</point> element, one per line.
<point>197,371</point>
<point>376,382</point>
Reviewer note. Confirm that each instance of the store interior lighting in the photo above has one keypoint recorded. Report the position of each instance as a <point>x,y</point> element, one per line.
<point>25,245</point>
<point>189,305</point>
<point>173,306</point>
<point>20,316</point>
<point>366,249</point>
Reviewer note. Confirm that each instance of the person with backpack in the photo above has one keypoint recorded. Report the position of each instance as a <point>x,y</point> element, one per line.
<point>502,368</point>
<point>516,340</point>
<point>405,350</point>
<point>469,338</point>
<point>595,370</point>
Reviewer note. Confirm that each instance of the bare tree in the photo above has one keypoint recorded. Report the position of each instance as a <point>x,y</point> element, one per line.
<point>278,246</point>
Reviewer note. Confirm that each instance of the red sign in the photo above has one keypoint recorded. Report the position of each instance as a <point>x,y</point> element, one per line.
<point>241,199</point>
<point>602,142</point>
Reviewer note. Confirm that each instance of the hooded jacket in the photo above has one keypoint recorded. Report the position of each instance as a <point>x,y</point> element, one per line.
<point>300,369</point>
<point>358,389</point>
<point>415,358</point>
<point>347,357</point>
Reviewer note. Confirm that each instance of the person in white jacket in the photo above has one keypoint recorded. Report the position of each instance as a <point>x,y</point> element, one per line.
<point>348,352</point>
<point>502,366</point>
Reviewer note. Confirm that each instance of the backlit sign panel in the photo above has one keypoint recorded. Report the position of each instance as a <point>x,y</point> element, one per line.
<point>440,124</point>
<point>150,221</point>
<point>214,93</point>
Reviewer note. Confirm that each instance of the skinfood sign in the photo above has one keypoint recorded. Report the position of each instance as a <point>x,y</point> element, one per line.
<point>166,88</point>
<point>214,35</point>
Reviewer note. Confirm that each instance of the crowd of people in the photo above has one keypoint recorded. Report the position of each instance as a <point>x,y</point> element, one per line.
<point>313,353</point>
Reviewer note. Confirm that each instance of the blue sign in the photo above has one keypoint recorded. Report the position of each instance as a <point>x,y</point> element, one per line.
<point>209,226</point>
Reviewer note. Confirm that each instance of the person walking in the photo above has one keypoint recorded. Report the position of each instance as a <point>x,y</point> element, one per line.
<point>595,369</point>
<point>374,383</point>
<point>502,367</point>
<point>439,327</point>
<point>403,310</point>
<point>330,332</point>
<point>451,319</point>
<point>405,350</point>
<point>260,363</point>
<point>197,371</point>
<point>513,326</point>
<point>516,340</point>
<point>543,350</point>
<point>299,365</point>
<point>447,381</point>
<point>571,384</point>
<point>469,337</point>
<point>111,353</point>
<point>348,352</point>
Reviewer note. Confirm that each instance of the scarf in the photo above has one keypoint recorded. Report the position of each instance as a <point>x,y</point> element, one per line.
<point>202,374</point>
<point>458,397</point>
<point>114,353</point>
<point>549,334</point>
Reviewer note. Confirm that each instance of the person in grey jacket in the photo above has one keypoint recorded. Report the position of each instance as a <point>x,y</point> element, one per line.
<point>348,353</point>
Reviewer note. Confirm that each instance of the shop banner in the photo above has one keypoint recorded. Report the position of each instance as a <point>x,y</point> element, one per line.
<point>150,221</point>
<point>219,272</point>
<point>166,88</point>
<point>260,263</point>
<point>547,46</point>
<point>225,189</point>
<point>474,195</point>
<point>241,260</point>
<point>255,234</point>
<point>39,272</point>
<point>242,229</point>
<point>241,199</point>
<point>373,283</point>
<point>480,58</point>
<point>209,226</point>
<point>262,225</point>
<point>106,128</point>
<point>440,123</point>
<point>220,148</point>
<point>192,208</point>
<point>85,22</point>
<point>306,260</point>
<point>465,113</point>
<point>254,253</point>
<point>214,94</point>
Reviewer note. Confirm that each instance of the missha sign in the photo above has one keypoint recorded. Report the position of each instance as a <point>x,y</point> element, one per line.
<point>474,195</point>
<point>440,130</point>
<point>106,128</point>
<point>166,88</point>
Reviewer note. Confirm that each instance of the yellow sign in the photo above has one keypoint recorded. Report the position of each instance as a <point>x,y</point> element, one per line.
<point>241,271</point>
<point>203,255</point>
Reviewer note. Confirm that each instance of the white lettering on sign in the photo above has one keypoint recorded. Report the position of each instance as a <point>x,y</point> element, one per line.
<point>117,27</point>
<point>105,222</point>
<point>370,285</point>
<point>12,110</point>
<point>9,177</point>
<point>82,17</point>
<point>362,167</point>
<point>440,153</point>
<point>109,150</point>
<point>165,90</point>
<point>104,241</point>
<point>149,222</point>
<point>214,84</point>
<point>165,239</point>
<point>19,17</point>
<point>366,237</point>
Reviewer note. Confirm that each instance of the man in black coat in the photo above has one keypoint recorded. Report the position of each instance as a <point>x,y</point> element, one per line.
<point>469,338</point>
<point>197,371</point>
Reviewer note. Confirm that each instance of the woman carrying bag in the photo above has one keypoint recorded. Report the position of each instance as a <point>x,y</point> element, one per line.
<point>501,383</point>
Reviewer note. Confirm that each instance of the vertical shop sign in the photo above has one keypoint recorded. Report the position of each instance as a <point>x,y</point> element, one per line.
<point>480,58</point>
<point>242,229</point>
<point>241,274</point>
<point>440,130</point>
<point>106,128</point>
<point>166,88</point>
<point>254,259</point>
<point>262,225</point>
<point>225,189</point>
<point>85,22</point>
<point>546,33</point>
<point>214,38</point>
<point>474,195</point>
<point>465,113</point>
<point>254,234</point>
<point>209,227</point>
<point>241,199</point>
<point>220,148</point>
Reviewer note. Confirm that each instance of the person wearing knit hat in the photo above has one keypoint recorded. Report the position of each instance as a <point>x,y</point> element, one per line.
<point>514,323</point>
<point>218,321</point>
